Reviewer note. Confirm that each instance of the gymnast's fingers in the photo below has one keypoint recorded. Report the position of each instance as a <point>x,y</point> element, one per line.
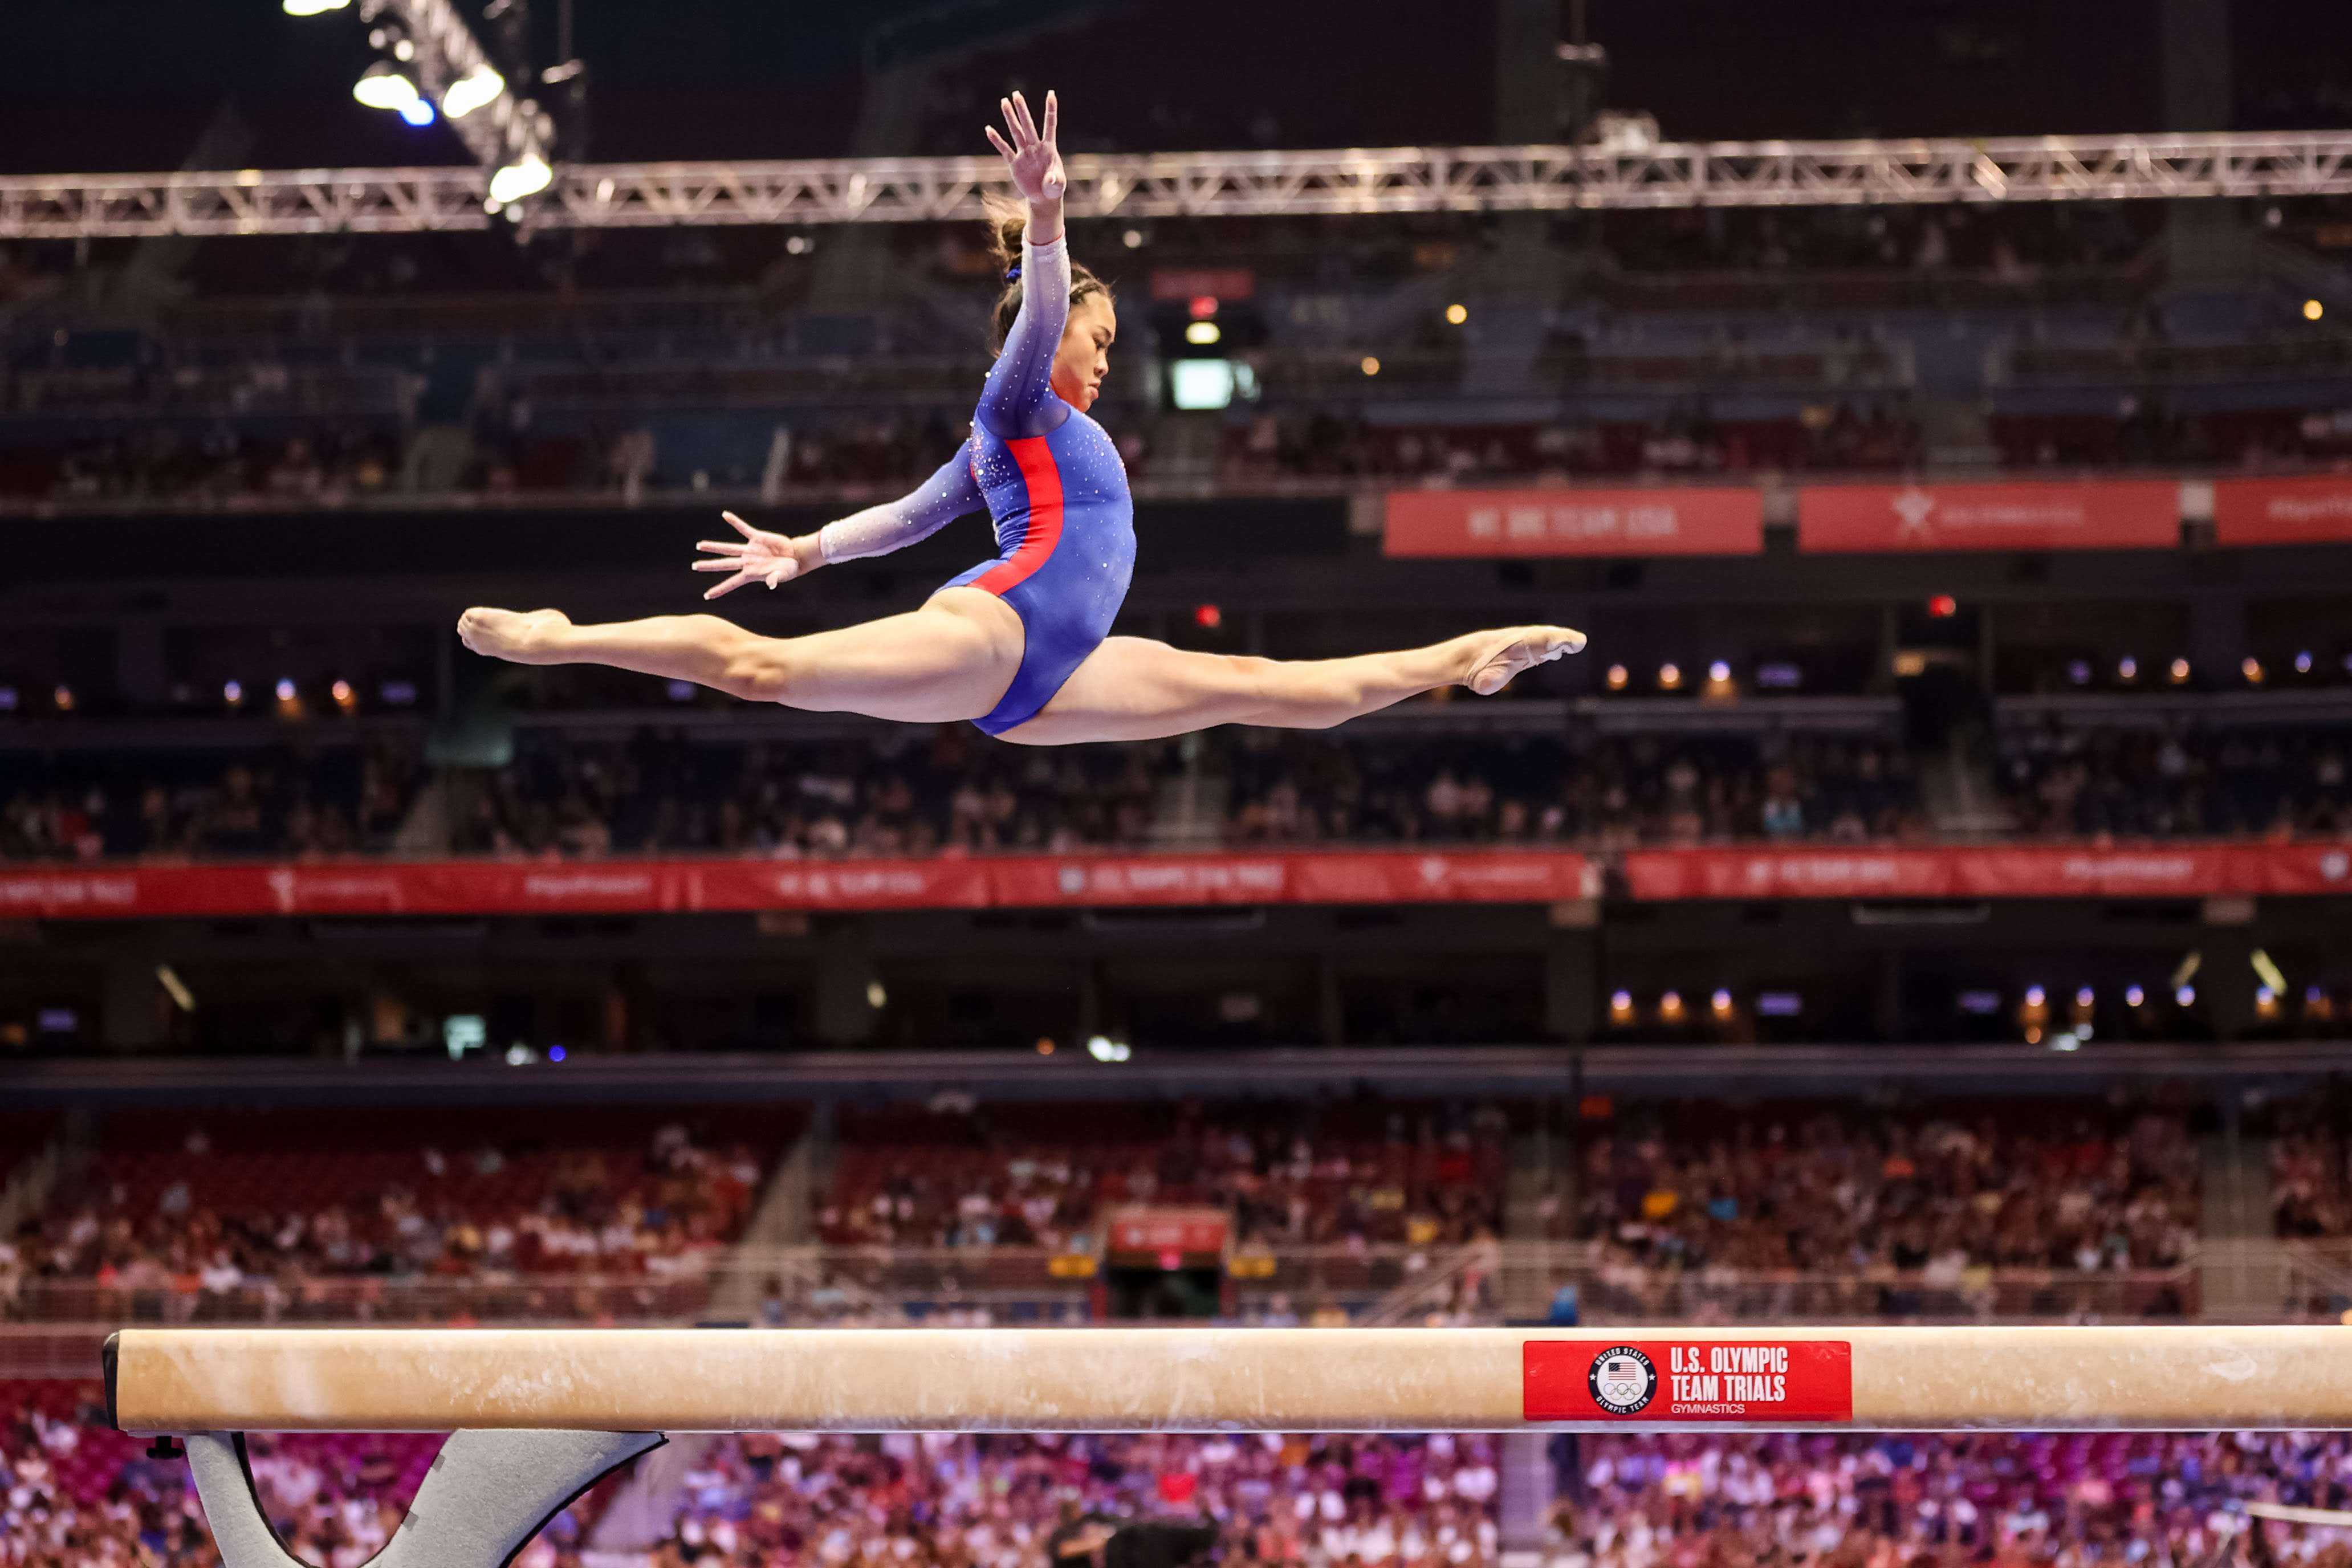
<point>746,530</point>
<point>1053,114</point>
<point>1028,125</point>
<point>722,563</point>
<point>1012,123</point>
<point>730,585</point>
<point>721,547</point>
<point>998,142</point>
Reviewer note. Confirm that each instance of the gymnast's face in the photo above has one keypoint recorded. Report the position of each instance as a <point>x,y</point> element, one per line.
<point>1084,358</point>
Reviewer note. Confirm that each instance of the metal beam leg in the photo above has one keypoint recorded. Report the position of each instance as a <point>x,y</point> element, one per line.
<point>485,1498</point>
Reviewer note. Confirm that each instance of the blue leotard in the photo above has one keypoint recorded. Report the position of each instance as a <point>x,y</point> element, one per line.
<point>1053,482</point>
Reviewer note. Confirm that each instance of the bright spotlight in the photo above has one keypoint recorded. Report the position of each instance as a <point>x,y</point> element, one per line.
<point>527,176</point>
<point>417,111</point>
<point>382,85</point>
<point>471,91</point>
<point>313,8</point>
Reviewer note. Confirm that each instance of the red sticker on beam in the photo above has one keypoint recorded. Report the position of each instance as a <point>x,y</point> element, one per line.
<point>1653,1380</point>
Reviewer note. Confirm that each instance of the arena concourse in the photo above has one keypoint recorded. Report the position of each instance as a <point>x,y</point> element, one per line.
<point>1921,904</point>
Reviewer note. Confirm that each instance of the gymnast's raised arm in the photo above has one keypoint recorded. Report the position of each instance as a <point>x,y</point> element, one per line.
<point>1019,400</point>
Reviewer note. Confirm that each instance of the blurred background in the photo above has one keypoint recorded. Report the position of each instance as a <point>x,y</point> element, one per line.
<point>1923,902</point>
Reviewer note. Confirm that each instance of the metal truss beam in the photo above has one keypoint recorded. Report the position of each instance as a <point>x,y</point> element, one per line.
<point>1201,184</point>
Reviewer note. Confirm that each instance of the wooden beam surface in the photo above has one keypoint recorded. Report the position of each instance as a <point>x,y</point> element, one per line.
<point>1196,1379</point>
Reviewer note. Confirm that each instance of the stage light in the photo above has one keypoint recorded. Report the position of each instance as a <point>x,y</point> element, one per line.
<point>2252,668</point>
<point>471,91</point>
<point>2078,672</point>
<point>1721,1003</point>
<point>2265,1002</point>
<point>1202,307</point>
<point>1133,240</point>
<point>2085,998</point>
<point>1620,1006</point>
<point>799,244</point>
<point>1670,677</point>
<point>2134,996</point>
<point>678,690</point>
<point>2035,995</point>
<point>1718,673</point>
<point>2313,309</point>
<point>526,176</point>
<point>2302,663</point>
<point>1457,314</point>
<point>7,699</point>
<point>1670,1006</point>
<point>175,988</point>
<point>1943,607</point>
<point>382,85</point>
<point>1369,366</point>
<point>64,698</point>
<point>417,111</point>
<point>2127,668</point>
<point>345,698</point>
<point>1045,1042</point>
<point>556,1054</point>
<point>1202,333</point>
<point>233,692</point>
<point>1208,616</point>
<point>1102,1047</point>
<point>2178,672</point>
<point>1618,677</point>
<point>286,689</point>
<point>2186,996</point>
<point>876,997</point>
<point>313,8</point>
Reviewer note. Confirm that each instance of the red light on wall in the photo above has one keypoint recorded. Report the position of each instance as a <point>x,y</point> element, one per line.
<point>1208,616</point>
<point>1943,607</point>
<point>1204,306</point>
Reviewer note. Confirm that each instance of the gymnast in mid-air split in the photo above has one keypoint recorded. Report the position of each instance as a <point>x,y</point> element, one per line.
<point>1019,645</point>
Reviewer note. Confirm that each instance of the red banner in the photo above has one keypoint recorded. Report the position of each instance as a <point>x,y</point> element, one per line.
<point>1157,1230</point>
<point>1470,876</point>
<point>2090,514</point>
<point>499,888</point>
<point>1715,521</point>
<point>2156,870</point>
<point>2316,510</point>
<point>1652,1380</point>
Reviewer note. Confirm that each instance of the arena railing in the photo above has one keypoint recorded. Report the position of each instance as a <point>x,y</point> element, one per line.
<point>2273,1281</point>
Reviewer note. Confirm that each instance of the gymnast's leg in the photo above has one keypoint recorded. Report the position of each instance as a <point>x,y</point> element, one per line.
<point>953,659</point>
<point>1134,689</point>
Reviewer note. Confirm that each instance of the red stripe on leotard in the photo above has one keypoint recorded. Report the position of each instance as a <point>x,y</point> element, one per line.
<point>1044,530</point>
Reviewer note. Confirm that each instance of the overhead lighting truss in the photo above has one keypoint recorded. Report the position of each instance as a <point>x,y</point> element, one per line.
<point>1202,184</point>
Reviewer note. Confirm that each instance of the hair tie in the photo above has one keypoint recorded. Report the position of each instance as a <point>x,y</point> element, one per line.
<point>1012,273</point>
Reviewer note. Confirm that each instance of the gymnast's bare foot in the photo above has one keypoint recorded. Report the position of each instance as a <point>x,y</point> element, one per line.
<point>1496,657</point>
<point>523,636</point>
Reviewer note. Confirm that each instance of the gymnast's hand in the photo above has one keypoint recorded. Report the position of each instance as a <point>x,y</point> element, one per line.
<point>1034,160</point>
<point>762,556</point>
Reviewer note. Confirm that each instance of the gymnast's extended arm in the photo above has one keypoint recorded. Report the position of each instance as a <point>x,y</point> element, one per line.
<point>771,558</point>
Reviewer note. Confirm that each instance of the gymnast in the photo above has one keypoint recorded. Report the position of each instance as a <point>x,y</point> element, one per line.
<point>1019,645</point>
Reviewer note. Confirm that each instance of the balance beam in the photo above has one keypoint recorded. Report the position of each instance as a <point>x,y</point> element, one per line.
<point>170,1381</point>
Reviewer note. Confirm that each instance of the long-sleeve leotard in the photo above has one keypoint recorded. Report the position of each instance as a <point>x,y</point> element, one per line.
<point>1018,400</point>
<point>1053,483</point>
